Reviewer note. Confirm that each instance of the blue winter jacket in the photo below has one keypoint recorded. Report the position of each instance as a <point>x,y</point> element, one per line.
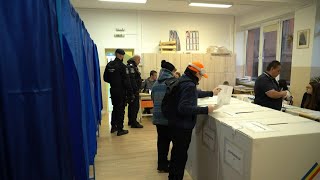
<point>157,94</point>
<point>187,102</point>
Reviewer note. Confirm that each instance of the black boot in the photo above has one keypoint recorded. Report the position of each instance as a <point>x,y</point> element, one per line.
<point>113,129</point>
<point>163,170</point>
<point>122,132</point>
<point>136,125</point>
<point>163,167</point>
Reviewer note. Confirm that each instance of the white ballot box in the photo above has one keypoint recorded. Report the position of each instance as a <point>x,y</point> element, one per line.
<point>252,150</point>
<point>244,141</point>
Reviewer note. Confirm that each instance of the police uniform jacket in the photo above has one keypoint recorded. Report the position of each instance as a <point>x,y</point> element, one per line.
<point>135,76</point>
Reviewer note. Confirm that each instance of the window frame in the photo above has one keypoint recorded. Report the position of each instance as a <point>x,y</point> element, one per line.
<point>279,23</point>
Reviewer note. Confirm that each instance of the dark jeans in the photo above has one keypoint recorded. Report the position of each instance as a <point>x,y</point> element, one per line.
<point>118,102</point>
<point>133,110</point>
<point>163,145</point>
<point>181,139</point>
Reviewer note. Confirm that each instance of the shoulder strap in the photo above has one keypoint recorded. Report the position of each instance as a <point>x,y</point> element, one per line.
<point>173,83</point>
<point>185,80</point>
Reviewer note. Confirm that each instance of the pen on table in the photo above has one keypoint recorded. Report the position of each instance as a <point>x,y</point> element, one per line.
<point>244,112</point>
<point>277,123</point>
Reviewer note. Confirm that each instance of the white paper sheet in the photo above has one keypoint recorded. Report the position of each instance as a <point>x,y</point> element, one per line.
<point>224,95</point>
<point>234,156</point>
<point>208,138</point>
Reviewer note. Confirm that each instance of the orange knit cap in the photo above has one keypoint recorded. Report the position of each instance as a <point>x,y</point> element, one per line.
<point>197,66</point>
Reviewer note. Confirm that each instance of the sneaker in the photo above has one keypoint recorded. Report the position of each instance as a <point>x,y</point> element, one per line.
<point>136,125</point>
<point>122,132</point>
<point>113,129</point>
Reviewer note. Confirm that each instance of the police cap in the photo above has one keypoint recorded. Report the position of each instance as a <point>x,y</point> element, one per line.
<point>120,51</point>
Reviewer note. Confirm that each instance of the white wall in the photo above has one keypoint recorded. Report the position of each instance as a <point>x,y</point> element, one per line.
<point>145,29</point>
<point>261,16</point>
<point>303,19</point>
<point>240,48</point>
<point>213,29</point>
<point>101,26</point>
<point>316,42</point>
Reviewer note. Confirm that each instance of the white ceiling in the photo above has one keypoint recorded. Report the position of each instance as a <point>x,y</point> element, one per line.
<point>239,7</point>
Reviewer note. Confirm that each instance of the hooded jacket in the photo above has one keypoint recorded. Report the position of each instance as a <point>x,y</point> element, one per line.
<point>158,91</point>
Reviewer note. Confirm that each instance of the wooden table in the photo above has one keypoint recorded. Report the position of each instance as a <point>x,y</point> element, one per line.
<point>145,101</point>
<point>298,111</point>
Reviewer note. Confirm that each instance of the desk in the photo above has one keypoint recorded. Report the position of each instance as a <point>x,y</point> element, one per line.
<point>294,110</point>
<point>244,97</point>
<point>298,111</point>
<point>145,101</point>
<point>243,90</point>
<point>247,83</point>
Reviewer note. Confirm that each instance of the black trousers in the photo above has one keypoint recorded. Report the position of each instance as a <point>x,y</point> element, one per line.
<point>163,145</point>
<point>181,139</point>
<point>118,102</point>
<point>133,110</point>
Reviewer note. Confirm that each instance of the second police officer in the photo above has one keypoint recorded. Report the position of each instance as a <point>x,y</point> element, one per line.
<point>135,80</point>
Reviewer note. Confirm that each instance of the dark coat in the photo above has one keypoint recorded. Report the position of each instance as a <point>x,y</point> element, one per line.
<point>187,102</point>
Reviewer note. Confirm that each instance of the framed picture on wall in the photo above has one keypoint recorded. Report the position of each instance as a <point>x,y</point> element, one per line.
<point>303,38</point>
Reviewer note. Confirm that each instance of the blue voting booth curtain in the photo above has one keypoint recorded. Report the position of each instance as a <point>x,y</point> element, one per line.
<point>34,122</point>
<point>98,93</point>
<point>50,92</point>
<point>92,124</point>
<point>72,29</point>
<point>74,114</point>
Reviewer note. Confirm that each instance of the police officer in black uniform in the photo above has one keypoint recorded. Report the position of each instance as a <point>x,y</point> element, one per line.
<point>117,74</point>
<point>135,77</point>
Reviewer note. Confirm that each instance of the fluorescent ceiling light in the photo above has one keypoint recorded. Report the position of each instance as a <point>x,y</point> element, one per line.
<point>126,1</point>
<point>210,5</point>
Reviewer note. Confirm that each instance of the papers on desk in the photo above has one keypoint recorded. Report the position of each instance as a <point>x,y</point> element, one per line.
<point>307,113</point>
<point>204,102</point>
<point>217,106</point>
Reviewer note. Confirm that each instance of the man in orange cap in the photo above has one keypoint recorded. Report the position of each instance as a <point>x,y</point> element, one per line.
<point>187,111</point>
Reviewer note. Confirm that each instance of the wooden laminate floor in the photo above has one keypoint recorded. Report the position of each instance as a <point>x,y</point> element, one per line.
<point>128,157</point>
